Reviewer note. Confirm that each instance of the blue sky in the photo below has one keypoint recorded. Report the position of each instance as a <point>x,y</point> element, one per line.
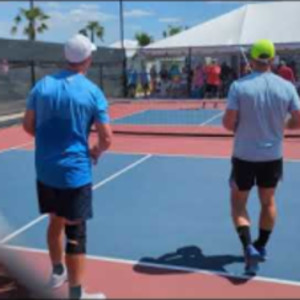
<point>151,17</point>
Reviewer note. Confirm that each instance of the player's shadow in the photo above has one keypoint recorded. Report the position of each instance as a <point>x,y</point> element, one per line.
<point>185,259</point>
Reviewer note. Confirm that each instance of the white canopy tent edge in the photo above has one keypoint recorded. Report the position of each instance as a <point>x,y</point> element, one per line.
<point>227,33</point>
<point>184,51</point>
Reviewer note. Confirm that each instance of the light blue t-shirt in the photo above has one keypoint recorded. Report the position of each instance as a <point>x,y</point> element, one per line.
<point>66,104</point>
<point>263,102</point>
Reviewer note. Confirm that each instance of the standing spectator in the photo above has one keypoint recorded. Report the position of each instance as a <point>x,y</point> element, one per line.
<point>164,81</point>
<point>175,80</point>
<point>132,81</point>
<point>198,82</point>
<point>293,66</point>
<point>213,72</point>
<point>144,80</point>
<point>286,72</point>
<point>184,78</point>
<point>4,66</point>
<point>226,78</point>
<point>153,78</point>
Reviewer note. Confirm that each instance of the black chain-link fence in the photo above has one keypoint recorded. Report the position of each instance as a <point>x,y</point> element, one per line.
<point>17,78</point>
<point>22,63</point>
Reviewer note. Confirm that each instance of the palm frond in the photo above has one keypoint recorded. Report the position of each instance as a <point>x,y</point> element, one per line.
<point>43,27</point>
<point>17,19</point>
<point>44,17</point>
<point>14,30</point>
<point>83,31</point>
<point>100,33</point>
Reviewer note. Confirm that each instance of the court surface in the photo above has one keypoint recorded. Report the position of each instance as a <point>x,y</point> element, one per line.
<point>161,226</point>
<point>171,117</point>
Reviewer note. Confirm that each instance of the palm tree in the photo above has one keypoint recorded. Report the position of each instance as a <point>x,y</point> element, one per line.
<point>36,22</point>
<point>95,30</point>
<point>172,30</point>
<point>143,39</point>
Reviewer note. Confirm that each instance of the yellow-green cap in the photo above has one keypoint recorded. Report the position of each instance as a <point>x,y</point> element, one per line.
<point>263,50</point>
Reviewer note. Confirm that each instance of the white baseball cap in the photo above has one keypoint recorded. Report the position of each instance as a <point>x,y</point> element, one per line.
<point>78,48</point>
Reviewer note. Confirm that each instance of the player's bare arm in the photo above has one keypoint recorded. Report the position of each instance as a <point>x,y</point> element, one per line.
<point>104,133</point>
<point>29,122</point>
<point>294,121</point>
<point>230,119</point>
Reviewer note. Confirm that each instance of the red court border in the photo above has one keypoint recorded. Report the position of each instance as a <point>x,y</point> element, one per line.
<point>15,137</point>
<point>118,280</point>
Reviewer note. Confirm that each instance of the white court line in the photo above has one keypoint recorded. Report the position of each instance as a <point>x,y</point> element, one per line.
<point>96,186</point>
<point>16,147</point>
<point>167,267</point>
<point>11,117</point>
<point>212,118</point>
<point>126,169</point>
<point>22,229</point>
<point>129,115</point>
<point>174,155</point>
<point>145,110</point>
<point>185,155</point>
<point>29,143</point>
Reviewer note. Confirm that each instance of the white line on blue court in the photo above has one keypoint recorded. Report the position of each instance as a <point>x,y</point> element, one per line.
<point>130,115</point>
<point>199,156</point>
<point>167,267</point>
<point>16,147</point>
<point>216,116</point>
<point>96,186</point>
<point>11,117</point>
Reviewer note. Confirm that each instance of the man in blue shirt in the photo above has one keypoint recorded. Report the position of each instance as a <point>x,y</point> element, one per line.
<point>61,109</point>
<point>132,81</point>
<point>260,106</point>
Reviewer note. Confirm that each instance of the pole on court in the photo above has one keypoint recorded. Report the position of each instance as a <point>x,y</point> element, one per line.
<point>32,64</point>
<point>124,79</point>
<point>189,77</point>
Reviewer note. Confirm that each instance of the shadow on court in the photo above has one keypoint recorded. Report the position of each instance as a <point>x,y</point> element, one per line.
<point>191,257</point>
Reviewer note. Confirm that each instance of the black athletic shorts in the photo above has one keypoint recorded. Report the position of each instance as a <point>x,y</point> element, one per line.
<point>211,88</point>
<point>71,204</point>
<point>246,174</point>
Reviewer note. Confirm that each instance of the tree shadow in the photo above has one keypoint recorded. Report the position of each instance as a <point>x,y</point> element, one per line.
<point>189,259</point>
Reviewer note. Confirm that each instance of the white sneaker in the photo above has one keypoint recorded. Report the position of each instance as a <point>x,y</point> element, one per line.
<point>92,296</point>
<point>56,280</point>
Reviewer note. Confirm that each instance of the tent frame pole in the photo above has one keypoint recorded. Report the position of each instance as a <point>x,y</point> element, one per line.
<point>189,77</point>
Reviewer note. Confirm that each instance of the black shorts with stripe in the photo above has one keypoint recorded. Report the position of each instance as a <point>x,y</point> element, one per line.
<point>72,204</point>
<point>246,174</point>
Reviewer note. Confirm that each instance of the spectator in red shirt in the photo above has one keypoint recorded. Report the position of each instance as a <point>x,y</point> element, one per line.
<point>286,72</point>
<point>213,81</point>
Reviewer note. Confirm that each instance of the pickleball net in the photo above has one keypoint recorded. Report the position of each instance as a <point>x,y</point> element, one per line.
<point>172,117</point>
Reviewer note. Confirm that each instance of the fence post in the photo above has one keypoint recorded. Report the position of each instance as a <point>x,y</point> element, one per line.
<point>124,75</point>
<point>101,76</point>
<point>32,73</point>
<point>189,77</point>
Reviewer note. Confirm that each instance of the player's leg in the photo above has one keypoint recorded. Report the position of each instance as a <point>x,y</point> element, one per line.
<point>269,175</point>
<point>55,240</point>
<point>77,210</point>
<point>267,219</point>
<point>241,183</point>
<point>242,180</point>
<point>75,256</point>
<point>48,203</point>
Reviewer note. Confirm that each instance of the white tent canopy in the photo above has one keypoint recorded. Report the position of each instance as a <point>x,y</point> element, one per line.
<point>131,47</point>
<point>277,21</point>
